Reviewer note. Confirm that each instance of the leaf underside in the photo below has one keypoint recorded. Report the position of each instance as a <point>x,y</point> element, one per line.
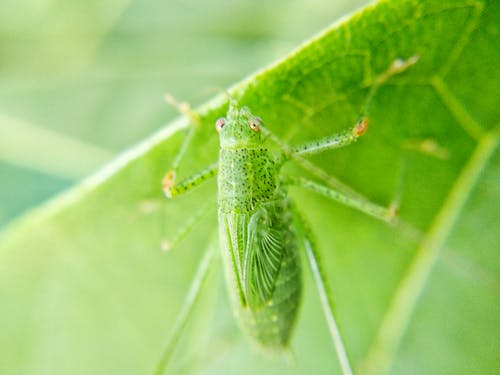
<point>86,290</point>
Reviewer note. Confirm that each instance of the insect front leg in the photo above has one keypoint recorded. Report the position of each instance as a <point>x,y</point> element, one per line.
<point>333,141</point>
<point>348,136</point>
<point>171,188</point>
<point>323,290</point>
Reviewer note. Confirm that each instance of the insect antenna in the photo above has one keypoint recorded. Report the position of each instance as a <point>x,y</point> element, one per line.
<point>224,92</point>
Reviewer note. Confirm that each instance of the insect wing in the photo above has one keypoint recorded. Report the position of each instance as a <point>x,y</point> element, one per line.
<point>262,262</point>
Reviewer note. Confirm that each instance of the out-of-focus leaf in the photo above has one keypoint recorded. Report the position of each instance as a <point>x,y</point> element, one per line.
<point>95,72</point>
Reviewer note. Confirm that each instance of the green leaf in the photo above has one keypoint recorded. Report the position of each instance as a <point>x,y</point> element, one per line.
<point>85,288</point>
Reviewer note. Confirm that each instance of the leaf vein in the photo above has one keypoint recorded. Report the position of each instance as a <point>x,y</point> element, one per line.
<point>399,313</point>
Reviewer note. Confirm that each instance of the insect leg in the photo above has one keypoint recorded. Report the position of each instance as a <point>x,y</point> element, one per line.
<point>186,228</point>
<point>338,140</point>
<point>354,201</point>
<point>348,136</point>
<point>398,66</point>
<point>184,109</point>
<point>171,188</point>
<point>194,292</point>
<point>324,292</point>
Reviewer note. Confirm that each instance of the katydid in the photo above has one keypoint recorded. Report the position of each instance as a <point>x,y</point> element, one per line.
<point>261,232</point>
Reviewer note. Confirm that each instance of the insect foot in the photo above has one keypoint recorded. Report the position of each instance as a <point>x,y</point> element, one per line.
<point>183,108</point>
<point>165,245</point>
<point>392,212</point>
<point>399,65</point>
<point>360,128</point>
<point>168,183</point>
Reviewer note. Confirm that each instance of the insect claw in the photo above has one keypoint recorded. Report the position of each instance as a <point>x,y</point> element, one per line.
<point>392,212</point>
<point>360,128</point>
<point>168,183</point>
<point>182,107</point>
<point>165,245</point>
<point>400,65</point>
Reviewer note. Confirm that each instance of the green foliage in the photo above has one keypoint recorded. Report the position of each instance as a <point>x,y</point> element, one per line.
<point>85,288</point>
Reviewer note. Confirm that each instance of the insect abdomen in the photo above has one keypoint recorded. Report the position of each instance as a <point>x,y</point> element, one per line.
<point>270,325</point>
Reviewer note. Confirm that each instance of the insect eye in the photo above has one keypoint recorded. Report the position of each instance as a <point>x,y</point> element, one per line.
<point>255,123</point>
<point>219,124</point>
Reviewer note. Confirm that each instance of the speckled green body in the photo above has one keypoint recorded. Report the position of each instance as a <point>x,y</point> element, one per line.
<point>250,201</point>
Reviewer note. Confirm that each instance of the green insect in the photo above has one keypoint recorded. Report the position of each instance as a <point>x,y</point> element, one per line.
<point>261,232</point>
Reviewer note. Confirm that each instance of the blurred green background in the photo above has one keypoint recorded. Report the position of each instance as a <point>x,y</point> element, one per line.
<point>82,80</point>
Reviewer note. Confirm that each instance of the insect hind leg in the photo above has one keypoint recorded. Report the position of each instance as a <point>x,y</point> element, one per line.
<point>323,291</point>
<point>193,295</point>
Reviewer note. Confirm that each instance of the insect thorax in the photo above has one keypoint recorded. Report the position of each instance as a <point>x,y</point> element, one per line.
<point>246,179</point>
